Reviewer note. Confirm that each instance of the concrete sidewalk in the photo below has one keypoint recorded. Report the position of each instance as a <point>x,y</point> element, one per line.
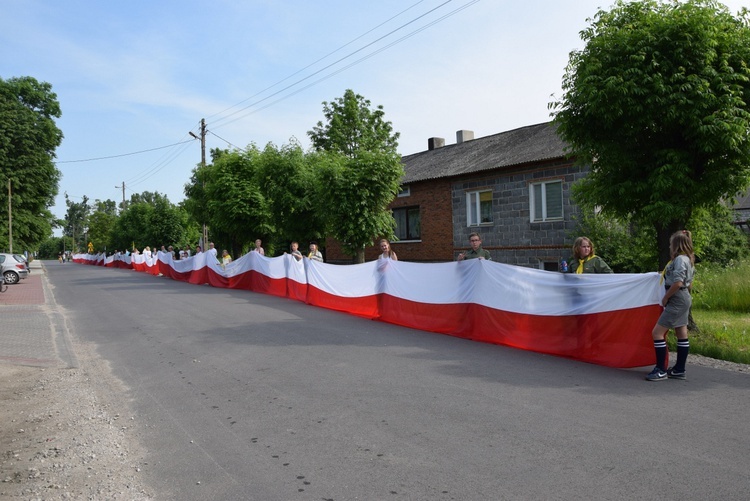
<point>34,331</point>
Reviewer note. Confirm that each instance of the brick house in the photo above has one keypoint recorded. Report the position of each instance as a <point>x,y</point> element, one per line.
<point>512,187</point>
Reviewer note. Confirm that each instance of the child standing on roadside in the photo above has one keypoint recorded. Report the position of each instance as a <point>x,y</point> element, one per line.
<point>678,278</point>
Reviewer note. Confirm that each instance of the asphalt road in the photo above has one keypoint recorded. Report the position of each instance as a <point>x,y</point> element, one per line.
<point>246,396</point>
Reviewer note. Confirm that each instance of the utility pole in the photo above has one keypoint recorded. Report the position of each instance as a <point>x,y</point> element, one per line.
<point>122,207</point>
<point>10,219</point>
<point>203,165</point>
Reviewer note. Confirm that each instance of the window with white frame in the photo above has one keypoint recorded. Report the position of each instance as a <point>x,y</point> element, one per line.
<point>404,191</point>
<point>408,225</point>
<point>478,207</point>
<point>546,202</point>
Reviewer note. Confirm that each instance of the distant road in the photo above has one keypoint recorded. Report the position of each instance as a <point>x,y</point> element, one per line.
<point>246,396</point>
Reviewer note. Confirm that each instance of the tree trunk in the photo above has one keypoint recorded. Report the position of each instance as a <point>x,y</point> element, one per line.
<point>359,258</point>
<point>663,232</point>
<point>692,326</point>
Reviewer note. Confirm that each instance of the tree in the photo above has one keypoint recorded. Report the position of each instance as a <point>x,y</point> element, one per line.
<point>28,139</point>
<point>76,222</point>
<point>625,246</point>
<point>101,225</point>
<point>360,174</point>
<point>657,104</point>
<point>286,177</point>
<point>226,195</point>
<point>168,224</point>
<point>715,238</point>
<point>150,219</point>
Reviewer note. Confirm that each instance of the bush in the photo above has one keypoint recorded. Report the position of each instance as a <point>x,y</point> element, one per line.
<point>629,248</point>
<point>625,247</point>
<point>715,238</point>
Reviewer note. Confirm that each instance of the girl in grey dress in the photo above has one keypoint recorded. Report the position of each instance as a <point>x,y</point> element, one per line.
<point>678,278</point>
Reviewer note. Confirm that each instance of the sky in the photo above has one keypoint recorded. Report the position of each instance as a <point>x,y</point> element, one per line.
<point>135,78</point>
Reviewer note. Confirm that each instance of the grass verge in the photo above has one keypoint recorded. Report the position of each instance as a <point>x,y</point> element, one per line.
<point>721,310</point>
<point>723,334</point>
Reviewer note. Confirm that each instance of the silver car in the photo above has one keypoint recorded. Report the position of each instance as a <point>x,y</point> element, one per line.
<point>14,268</point>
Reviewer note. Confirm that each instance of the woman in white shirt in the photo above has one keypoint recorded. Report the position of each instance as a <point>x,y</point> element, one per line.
<point>386,252</point>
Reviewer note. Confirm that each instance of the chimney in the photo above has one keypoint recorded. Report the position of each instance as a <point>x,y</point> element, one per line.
<point>434,143</point>
<point>464,135</point>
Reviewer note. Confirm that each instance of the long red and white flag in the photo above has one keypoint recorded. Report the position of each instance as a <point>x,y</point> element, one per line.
<point>601,319</point>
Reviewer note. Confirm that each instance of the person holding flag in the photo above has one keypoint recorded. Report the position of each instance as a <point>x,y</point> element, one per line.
<point>584,260</point>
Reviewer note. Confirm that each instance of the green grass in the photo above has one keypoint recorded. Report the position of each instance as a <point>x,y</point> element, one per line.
<point>721,310</point>
<point>722,288</point>
<point>723,335</point>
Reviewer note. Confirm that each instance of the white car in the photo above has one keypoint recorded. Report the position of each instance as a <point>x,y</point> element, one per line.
<point>14,268</point>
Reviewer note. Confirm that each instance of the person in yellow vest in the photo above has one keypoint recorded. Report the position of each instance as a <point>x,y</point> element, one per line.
<point>225,258</point>
<point>584,260</point>
<point>315,254</point>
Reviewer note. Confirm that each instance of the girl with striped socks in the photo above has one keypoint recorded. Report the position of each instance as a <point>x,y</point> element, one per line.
<point>678,279</point>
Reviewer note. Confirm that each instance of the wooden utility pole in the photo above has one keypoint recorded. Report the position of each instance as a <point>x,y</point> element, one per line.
<point>203,165</point>
<point>10,219</point>
<point>122,207</point>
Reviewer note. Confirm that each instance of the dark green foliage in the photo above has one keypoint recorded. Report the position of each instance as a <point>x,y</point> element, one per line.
<point>360,173</point>
<point>715,238</point>
<point>626,247</point>
<point>151,220</point>
<point>76,222</point>
<point>352,126</point>
<point>226,195</point>
<point>50,248</point>
<point>657,104</point>
<point>287,178</point>
<point>631,248</point>
<point>28,139</point>
<point>101,225</point>
<point>250,194</point>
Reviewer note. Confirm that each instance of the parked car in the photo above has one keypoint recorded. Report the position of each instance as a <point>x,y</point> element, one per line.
<point>14,268</point>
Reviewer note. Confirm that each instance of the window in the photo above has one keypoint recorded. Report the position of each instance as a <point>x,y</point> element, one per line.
<point>404,191</point>
<point>546,201</point>
<point>408,225</point>
<point>549,265</point>
<point>478,207</point>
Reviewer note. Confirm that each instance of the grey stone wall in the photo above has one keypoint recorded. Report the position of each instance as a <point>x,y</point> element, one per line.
<point>512,238</point>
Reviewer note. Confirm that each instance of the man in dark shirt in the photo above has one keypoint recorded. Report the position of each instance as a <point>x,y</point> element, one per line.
<point>476,251</point>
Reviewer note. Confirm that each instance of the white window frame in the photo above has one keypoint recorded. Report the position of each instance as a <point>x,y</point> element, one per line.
<point>404,191</point>
<point>540,218</point>
<point>474,208</point>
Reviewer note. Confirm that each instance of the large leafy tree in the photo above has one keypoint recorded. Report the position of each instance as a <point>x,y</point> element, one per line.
<point>151,219</point>
<point>362,173</point>
<point>286,176</point>
<point>267,194</point>
<point>168,225</point>
<point>657,103</point>
<point>28,140</point>
<point>226,195</point>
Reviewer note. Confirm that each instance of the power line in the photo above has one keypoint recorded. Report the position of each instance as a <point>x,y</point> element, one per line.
<point>119,156</point>
<point>336,72</point>
<point>160,164</point>
<point>217,123</point>
<point>318,60</point>
<point>169,157</point>
<point>230,144</point>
